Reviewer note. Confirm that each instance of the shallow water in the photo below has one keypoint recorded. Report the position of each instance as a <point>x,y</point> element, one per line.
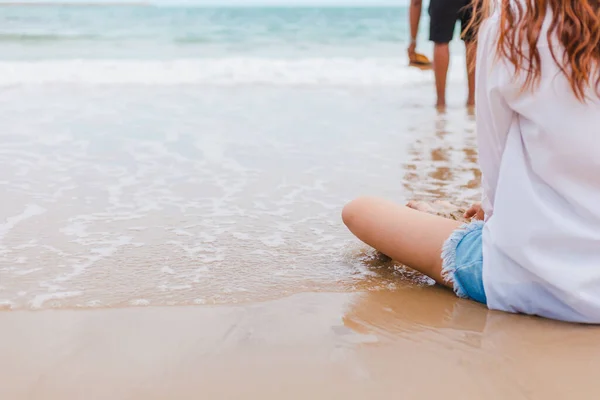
<point>135,195</point>
<point>181,155</point>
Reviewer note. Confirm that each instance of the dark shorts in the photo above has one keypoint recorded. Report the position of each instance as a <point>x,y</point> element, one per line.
<point>443,16</point>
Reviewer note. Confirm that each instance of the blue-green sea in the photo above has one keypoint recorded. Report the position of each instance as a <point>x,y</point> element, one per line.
<point>228,45</point>
<point>155,31</point>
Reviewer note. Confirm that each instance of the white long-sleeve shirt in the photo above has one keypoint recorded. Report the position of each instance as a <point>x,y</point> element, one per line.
<point>539,154</point>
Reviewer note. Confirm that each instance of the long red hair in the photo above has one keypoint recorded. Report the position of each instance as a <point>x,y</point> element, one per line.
<point>575,24</point>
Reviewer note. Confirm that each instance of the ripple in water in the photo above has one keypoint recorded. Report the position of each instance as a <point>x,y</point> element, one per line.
<point>136,196</point>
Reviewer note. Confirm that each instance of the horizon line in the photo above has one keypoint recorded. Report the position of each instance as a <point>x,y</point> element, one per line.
<point>146,3</point>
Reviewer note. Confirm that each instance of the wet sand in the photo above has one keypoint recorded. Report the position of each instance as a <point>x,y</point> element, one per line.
<point>413,343</point>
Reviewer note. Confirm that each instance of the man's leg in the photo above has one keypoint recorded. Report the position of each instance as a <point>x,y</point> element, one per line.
<point>441,63</point>
<point>415,19</point>
<point>443,16</point>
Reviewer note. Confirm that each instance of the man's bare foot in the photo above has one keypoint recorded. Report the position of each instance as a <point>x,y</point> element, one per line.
<point>471,110</point>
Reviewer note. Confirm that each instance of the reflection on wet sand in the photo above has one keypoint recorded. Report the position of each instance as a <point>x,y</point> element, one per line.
<point>443,346</point>
<point>411,343</point>
<point>443,163</point>
<point>415,311</point>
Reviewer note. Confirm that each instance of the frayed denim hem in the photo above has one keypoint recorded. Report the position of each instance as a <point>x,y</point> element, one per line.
<point>449,256</point>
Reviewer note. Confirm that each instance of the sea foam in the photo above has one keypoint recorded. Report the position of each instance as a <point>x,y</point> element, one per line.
<point>218,71</point>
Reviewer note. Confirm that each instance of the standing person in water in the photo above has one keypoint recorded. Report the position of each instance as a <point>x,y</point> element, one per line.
<point>443,16</point>
<point>534,244</point>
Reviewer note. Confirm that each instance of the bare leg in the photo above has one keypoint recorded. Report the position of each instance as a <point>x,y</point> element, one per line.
<point>441,62</point>
<point>408,236</point>
<point>471,55</point>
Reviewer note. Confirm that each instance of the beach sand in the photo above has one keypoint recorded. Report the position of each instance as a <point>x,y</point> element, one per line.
<point>152,251</point>
<point>414,343</point>
<point>171,183</point>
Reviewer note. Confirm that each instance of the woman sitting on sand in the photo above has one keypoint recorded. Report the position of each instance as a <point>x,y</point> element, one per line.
<point>534,244</point>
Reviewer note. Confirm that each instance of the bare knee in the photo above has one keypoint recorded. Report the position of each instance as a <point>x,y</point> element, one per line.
<point>355,210</point>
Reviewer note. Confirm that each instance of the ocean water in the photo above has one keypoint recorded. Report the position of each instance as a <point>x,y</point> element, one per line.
<point>170,45</point>
<point>172,155</point>
<point>164,32</point>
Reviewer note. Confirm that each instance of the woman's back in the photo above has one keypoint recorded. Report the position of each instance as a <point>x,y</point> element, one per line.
<point>538,117</point>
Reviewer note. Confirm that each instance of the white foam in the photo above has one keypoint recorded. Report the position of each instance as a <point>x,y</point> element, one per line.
<point>27,271</point>
<point>167,270</point>
<point>140,302</point>
<point>75,228</point>
<point>218,71</point>
<point>31,210</point>
<point>39,300</point>
<point>168,288</point>
<point>241,235</point>
<point>274,240</point>
<point>181,232</point>
<point>96,254</point>
<point>6,305</point>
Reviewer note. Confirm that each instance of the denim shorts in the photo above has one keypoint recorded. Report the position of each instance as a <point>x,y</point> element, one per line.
<point>462,262</point>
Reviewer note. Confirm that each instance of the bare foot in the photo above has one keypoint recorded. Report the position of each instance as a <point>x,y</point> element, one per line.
<point>471,107</point>
<point>471,111</point>
<point>421,206</point>
<point>440,207</point>
<point>444,205</point>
